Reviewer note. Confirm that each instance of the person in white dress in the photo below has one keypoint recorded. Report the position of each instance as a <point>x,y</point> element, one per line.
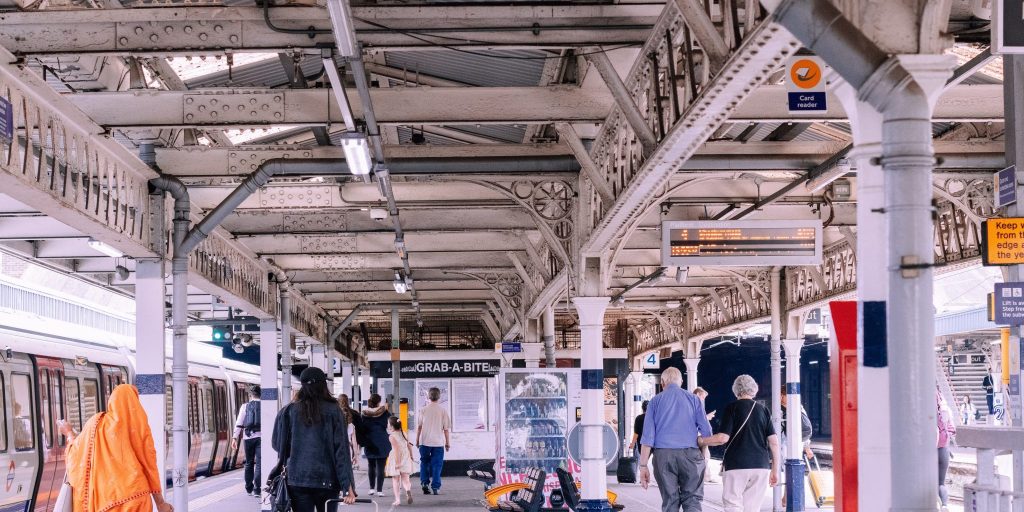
<point>399,465</point>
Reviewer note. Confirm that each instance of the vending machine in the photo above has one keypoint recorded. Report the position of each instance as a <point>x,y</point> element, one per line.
<point>537,407</point>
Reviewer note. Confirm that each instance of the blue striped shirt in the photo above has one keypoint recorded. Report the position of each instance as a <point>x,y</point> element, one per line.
<point>674,418</point>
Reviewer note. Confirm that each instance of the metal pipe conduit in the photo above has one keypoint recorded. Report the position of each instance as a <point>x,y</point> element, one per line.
<point>179,328</point>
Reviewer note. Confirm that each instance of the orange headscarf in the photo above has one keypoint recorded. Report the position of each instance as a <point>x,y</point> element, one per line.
<point>112,464</point>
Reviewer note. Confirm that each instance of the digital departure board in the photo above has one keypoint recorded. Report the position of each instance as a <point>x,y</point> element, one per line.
<point>741,243</point>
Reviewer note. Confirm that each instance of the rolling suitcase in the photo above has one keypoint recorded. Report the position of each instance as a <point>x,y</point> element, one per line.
<point>822,483</point>
<point>626,472</point>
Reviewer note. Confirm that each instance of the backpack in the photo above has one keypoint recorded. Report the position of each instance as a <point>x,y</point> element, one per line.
<point>251,420</point>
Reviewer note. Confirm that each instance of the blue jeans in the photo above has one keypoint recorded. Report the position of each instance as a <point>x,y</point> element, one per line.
<point>431,462</point>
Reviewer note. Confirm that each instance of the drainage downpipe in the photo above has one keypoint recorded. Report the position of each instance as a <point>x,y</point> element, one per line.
<point>284,286</point>
<point>549,336</point>
<point>179,328</point>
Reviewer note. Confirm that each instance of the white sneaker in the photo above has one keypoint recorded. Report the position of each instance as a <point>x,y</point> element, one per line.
<point>371,493</point>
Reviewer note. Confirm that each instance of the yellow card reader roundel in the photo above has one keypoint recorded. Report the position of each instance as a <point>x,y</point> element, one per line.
<point>805,74</point>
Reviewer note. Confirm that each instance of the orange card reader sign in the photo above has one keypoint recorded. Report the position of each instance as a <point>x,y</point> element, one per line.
<point>1002,241</point>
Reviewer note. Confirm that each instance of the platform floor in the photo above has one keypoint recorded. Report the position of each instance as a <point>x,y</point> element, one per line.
<point>225,493</point>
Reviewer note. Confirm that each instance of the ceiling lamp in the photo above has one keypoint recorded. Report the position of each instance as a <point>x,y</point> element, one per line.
<point>357,153</point>
<point>400,284</point>
<point>673,304</point>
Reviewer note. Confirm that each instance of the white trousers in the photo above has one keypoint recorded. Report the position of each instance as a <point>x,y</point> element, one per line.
<point>744,489</point>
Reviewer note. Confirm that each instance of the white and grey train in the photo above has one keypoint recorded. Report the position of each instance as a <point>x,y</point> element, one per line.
<point>45,378</point>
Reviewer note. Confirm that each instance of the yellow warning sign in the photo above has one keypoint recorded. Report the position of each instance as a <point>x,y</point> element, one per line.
<point>1002,241</point>
<point>805,73</point>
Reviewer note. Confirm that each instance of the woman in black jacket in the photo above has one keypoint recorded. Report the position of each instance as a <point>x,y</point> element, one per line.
<point>311,436</point>
<point>374,423</point>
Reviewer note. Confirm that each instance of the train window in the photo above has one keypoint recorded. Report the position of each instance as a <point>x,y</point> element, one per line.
<point>24,437</point>
<point>58,403</point>
<point>168,405</point>
<point>90,398</point>
<point>44,407</point>
<point>72,391</point>
<point>209,410</point>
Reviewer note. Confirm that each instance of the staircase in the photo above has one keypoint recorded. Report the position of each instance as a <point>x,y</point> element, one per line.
<point>964,371</point>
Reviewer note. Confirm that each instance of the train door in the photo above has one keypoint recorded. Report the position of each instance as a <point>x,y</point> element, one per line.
<point>194,426</point>
<point>110,378</point>
<point>19,456</point>
<point>52,410</point>
<point>241,397</point>
<point>208,438</point>
<point>220,426</point>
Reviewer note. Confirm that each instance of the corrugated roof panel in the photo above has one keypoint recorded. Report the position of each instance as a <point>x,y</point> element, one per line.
<point>481,68</point>
<point>265,73</point>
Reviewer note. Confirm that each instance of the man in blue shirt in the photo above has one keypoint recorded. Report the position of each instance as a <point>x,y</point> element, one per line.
<point>675,417</point>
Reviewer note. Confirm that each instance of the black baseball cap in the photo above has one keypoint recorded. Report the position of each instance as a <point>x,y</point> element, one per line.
<point>312,375</point>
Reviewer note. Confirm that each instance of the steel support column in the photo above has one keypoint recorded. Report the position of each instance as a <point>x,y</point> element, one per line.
<point>691,372</point>
<point>532,347</point>
<point>548,321</point>
<point>1013,80</point>
<point>346,382</point>
<point>907,164</point>
<point>269,398</point>
<point>776,367</point>
<point>286,346</point>
<point>874,491</point>
<point>396,361</point>
<point>794,440</point>
<point>151,351</point>
<point>594,496</point>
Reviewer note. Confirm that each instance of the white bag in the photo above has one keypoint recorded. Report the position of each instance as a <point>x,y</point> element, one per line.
<point>65,499</point>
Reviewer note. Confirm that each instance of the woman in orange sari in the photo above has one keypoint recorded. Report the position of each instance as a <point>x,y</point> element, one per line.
<point>112,463</point>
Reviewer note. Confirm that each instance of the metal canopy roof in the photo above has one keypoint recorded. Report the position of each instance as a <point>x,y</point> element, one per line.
<point>485,82</point>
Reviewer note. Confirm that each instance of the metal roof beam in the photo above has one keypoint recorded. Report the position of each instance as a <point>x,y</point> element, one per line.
<point>178,30</point>
<point>252,108</point>
<point>247,108</point>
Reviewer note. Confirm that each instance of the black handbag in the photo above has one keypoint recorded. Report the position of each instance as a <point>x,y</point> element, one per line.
<point>277,484</point>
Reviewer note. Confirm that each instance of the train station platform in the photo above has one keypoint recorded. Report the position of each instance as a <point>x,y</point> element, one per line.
<point>225,493</point>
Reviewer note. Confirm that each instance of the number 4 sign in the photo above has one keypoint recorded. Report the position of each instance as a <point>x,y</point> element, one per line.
<point>651,361</point>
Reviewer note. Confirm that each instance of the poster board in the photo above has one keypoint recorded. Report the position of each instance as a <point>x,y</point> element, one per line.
<point>424,385</point>
<point>469,405</point>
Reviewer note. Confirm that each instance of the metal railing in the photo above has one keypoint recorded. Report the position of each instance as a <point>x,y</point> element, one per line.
<point>990,492</point>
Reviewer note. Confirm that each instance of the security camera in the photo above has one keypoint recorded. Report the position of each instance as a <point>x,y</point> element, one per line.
<point>378,214</point>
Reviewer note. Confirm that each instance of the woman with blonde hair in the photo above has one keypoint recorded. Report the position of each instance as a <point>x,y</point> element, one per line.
<point>112,464</point>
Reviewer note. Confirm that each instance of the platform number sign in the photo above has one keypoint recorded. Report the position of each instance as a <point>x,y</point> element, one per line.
<point>651,360</point>
<point>805,85</point>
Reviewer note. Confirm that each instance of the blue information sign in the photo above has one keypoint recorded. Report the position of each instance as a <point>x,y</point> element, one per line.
<point>1009,303</point>
<point>511,347</point>
<point>6,120</point>
<point>807,101</point>
<point>1006,186</point>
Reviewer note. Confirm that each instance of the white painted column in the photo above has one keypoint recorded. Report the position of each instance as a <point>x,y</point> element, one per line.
<point>364,385</point>
<point>1013,73</point>
<point>151,352</point>
<point>318,359</point>
<point>908,162</point>
<point>776,369</point>
<point>532,353</point>
<point>794,441</point>
<point>346,382</point>
<point>548,336</point>
<point>691,372</point>
<point>874,469</point>
<point>594,496</point>
<point>269,397</point>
